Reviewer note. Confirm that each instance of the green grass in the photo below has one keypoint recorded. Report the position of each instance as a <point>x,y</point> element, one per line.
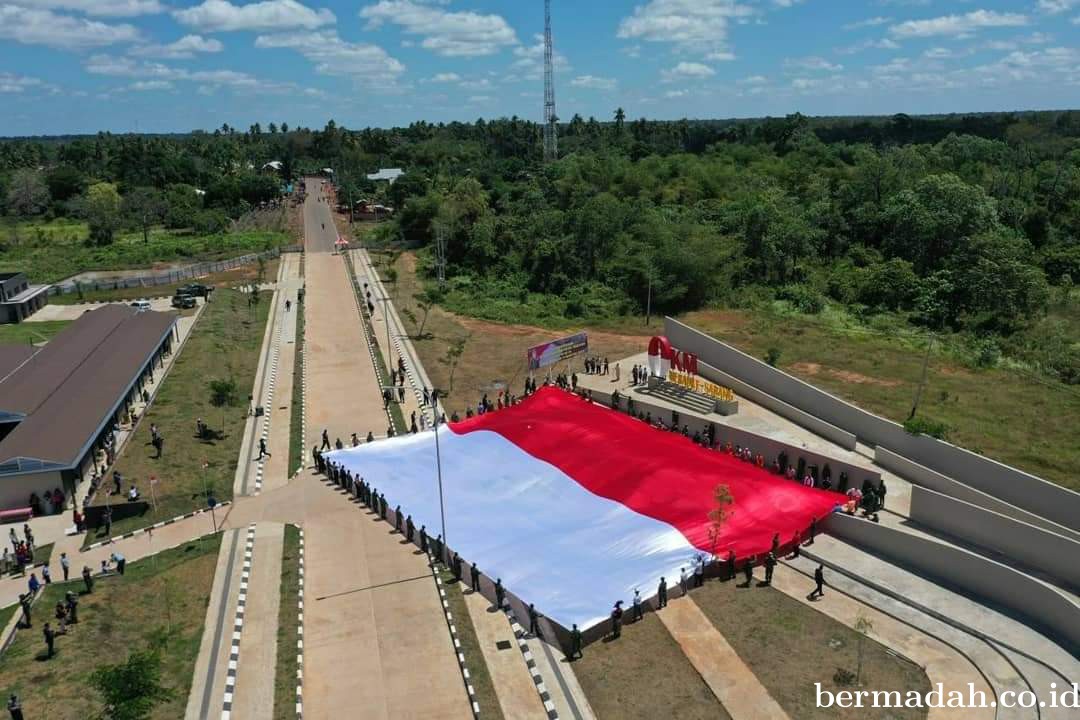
<point>5,617</point>
<point>43,554</point>
<point>479,676</point>
<point>297,452</point>
<point>790,646</point>
<point>26,333</point>
<point>225,343</point>
<point>285,673</point>
<point>1012,415</point>
<point>50,251</point>
<point>645,675</point>
<point>159,603</point>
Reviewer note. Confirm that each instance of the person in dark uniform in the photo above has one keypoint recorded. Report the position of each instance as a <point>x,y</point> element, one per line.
<point>575,644</point>
<point>397,518</point>
<point>474,577</point>
<point>24,603</point>
<point>50,638</point>
<point>770,563</point>
<point>819,581</point>
<point>457,567</point>
<point>616,620</point>
<point>325,440</point>
<point>88,579</point>
<point>748,571</point>
<point>500,594</point>
<point>262,449</point>
<point>731,564</point>
<point>437,549</point>
<point>661,593</point>
<point>534,621</point>
<point>382,506</point>
<point>14,707</point>
<point>409,528</point>
<point>423,538</point>
<point>775,550</point>
<point>71,603</point>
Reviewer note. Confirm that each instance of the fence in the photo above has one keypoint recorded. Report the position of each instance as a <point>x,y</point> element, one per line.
<point>170,277</point>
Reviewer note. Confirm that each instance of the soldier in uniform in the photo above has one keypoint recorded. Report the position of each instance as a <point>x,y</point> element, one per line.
<point>423,538</point>
<point>409,528</point>
<point>474,576</point>
<point>661,592</point>
<point>500,594</point>
<point>575,644</point>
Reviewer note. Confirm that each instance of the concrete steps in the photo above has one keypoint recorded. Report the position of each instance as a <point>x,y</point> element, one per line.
<point>681,396</point>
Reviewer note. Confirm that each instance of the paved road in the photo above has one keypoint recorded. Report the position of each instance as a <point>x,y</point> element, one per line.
<point>374,634</point>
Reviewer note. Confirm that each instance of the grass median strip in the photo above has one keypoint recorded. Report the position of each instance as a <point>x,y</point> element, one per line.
<point>158,604</point>
<point>470,647</point>
<point>285,679</point>
<point>224,345</point>
<point>296,411</point>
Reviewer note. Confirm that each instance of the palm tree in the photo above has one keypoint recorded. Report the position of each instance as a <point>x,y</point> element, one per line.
<point>620,118</point>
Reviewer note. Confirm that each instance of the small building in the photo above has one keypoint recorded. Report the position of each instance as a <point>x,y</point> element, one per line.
<point>366,210</point>
<point>59,404</point>
<point>386,174</point>
<point>19,299</point>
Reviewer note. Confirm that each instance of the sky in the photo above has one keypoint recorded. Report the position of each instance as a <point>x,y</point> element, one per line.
<point>80,66</point>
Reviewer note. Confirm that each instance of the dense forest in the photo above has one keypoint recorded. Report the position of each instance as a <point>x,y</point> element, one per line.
<point>961,225</point>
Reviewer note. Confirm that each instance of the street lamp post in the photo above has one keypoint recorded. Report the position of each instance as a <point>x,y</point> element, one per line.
<point>438,466</point>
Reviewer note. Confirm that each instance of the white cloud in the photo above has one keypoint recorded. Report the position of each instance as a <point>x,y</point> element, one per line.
<point>115,66</point>
<point>695,25</point>
<point>16,83</point>
<point>592,82</point>
<point>268,15</point>
<point>958,25</point>
<point>882,44</point>
<point>868,22</point>
<point>479,99</point>
<point>103,8</point>
<point>334,56</point>
<point>147,85</point>
<point>687,70</point>
<point>530,60</point>
<point>185,47</point>
<point>1054,7</point>
<point>812,64</point>
<point>451,34</point>
<point>676,93</point>
<point>722,56</point>
<point>32,26</point>
<point>447,77</point>
<point>753,80</point>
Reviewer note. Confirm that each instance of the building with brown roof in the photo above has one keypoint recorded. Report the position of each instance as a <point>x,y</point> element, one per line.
<point>60,404</point>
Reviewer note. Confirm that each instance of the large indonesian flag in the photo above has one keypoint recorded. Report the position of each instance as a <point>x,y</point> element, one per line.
<point>574,505</point>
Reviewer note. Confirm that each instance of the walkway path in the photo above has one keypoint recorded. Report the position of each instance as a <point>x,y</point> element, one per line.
<point>733,683</point>
<point>942,663</point>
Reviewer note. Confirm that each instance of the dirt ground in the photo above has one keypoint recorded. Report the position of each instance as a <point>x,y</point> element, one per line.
<point>644,675</point>
<point>790,646</point>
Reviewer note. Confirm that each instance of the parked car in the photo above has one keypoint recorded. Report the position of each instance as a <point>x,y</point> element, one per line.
<point>183,301</point>
<point>141,305</point>
<point>195,290</point>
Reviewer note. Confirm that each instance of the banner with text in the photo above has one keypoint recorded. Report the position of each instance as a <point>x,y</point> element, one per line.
<point>557,350</point>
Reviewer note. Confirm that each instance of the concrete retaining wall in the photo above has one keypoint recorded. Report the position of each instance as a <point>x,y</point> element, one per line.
<point>1034,547</point>
<point>936,481</point>
<point>1024,490</point>
<point>767,446</point>
<point>1038,603</point>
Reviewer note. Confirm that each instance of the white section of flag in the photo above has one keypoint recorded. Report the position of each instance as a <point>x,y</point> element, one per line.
<point>552,542</point>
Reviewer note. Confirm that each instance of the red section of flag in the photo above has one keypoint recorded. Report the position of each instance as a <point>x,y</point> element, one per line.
<point>656,473</point>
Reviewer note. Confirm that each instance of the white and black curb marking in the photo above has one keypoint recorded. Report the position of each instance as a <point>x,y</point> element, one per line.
<point>303,397</point>
<point>268,403</point>
<point>364,320</point>
<point>538,680</point>
<point>155,526</point>
<point>238,625</point>
<point>300,634</point>
<point>457,643</point>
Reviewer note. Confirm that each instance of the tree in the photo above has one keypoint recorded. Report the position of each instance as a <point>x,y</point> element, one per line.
<point>223,394</point>
<point>27,192</point>
<point>720,513</point>
<point>454,351</point>
<point>182,204</point>
<point>620,120</point>
<point>65,182</point>
<point>101,208</point>
<point>425,301</point>
<point>144,207</point>
<point>132,689</point>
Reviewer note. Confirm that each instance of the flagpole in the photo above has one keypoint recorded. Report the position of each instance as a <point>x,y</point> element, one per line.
<point>438,464</point>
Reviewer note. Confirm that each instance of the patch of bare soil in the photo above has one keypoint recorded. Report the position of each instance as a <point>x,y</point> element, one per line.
<point>848,376</point>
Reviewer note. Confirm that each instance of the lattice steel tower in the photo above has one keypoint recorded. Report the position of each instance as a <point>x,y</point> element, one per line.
<point>551,133</point>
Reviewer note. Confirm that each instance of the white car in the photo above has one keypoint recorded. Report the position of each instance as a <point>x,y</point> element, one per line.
<point>141,305</point>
